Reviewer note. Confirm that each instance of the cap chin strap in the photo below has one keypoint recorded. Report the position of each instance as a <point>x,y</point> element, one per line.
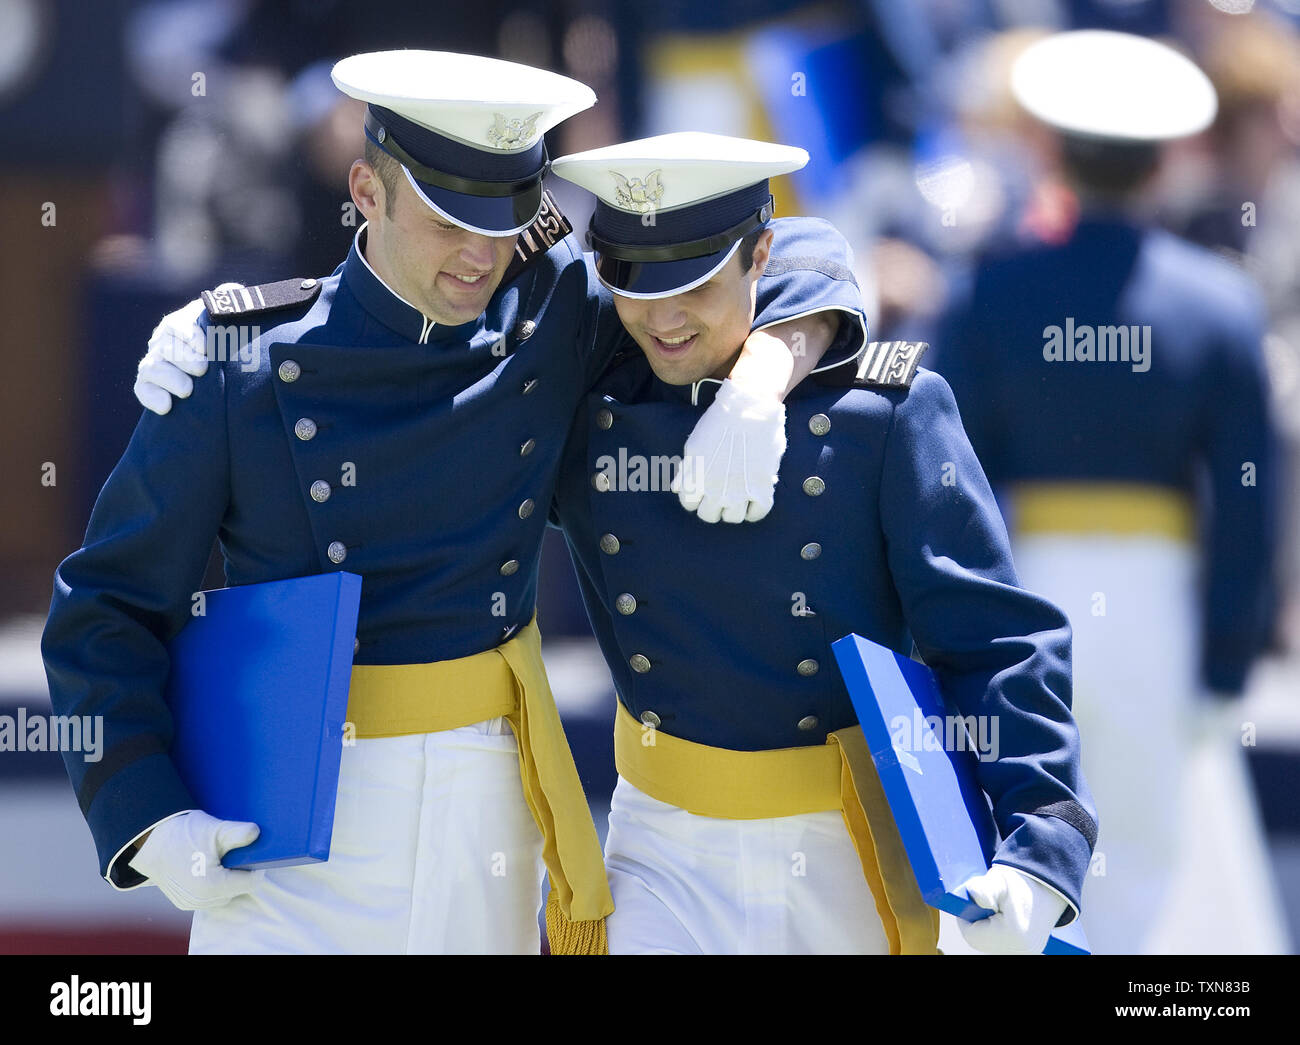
<point>381,136</point>
<point>678,251</point>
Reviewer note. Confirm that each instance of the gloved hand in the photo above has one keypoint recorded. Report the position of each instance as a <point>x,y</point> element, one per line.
<point>177,353</point>
<point>1027,912</point>
<point>729,466</point>
<point>182,857</point>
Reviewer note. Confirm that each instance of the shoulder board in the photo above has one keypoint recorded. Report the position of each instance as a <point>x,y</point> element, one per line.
<point>267,297</point>
<point>882,364</point>
<point>550,227</point>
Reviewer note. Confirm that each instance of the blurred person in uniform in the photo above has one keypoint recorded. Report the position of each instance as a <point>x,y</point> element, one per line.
<point>737,746</point>
<point>1248,209</point>
<point>401,419</point>
<point>1114,388</point>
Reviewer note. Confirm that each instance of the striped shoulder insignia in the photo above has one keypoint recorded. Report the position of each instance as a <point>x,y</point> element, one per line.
<point>268,297</point>
<point>550,227</point>
<point>889,363</point>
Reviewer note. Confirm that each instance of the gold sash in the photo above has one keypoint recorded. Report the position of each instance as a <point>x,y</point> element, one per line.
<point>510,682</point>
<point>751,785</point>
<point>1125,509</point>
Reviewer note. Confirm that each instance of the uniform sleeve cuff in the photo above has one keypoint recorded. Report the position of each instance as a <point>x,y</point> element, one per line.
<point>122,876</point>
<point>1071,912</point>
<point>849,340</point>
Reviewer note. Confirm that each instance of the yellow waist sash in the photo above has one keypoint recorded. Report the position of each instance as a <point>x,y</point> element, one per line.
<point>387,700</point>
<point>1126,509</point>
<point>753,785</point>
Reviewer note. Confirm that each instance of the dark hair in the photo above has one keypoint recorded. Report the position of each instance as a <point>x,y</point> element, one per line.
<point>1107,167</point>
<point>746,249</point>
<point>389,171</point>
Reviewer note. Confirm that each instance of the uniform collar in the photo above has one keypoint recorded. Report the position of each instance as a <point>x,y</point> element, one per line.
<point>390,308</point>
<point>698,393</point>
<point>701,393</point>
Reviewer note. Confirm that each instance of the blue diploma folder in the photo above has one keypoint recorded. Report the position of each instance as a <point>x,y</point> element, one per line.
<point>942,814</point>
<point>259,692</point>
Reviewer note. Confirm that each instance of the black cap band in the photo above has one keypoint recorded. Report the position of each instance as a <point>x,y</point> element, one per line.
<point>453,182</point>
<point>679,251</point>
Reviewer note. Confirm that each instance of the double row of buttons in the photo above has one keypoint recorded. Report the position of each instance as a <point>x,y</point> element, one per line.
<point>813,486</point>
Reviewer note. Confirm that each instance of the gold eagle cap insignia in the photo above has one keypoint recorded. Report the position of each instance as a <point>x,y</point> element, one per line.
<point>513,133</point>
<point>639,194</point>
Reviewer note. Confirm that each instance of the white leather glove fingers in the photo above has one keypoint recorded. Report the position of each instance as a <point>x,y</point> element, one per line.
<point>182,856</point>
<point>177,352</point>
<point>734,454</point>
<point>1026,912</point>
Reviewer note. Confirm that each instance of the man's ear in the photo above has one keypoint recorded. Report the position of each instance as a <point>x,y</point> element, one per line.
<point>366,189</point>
<point>762,252</point>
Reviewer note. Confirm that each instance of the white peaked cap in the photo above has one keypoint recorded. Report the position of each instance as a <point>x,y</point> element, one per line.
<point>1117,86</point>
<point>688,167</point>
<point>462,95</point>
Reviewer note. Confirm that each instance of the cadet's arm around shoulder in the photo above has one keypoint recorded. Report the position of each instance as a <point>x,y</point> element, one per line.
<point>177,353</point>
<point>777,357</point>
<point>807,302</point>
<point>118,600</point>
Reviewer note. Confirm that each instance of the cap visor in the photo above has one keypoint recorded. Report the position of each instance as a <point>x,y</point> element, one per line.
<point>486,215</point>
<point>660,279</point>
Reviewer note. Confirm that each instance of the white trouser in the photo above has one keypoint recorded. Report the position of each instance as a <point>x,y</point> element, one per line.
<point>1167,831</point>
<point>434,851</point>
<point>687,884</point>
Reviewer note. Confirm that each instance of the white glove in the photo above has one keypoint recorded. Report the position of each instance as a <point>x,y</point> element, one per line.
<point>730,463</point>
<point>177,353</point>
<point>182,857</point>
<point>1027,912</point>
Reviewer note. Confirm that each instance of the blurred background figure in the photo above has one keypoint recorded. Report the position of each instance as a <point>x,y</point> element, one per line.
<point>1241,199</point>
<point>1114,385</point>
<point>154,148</point>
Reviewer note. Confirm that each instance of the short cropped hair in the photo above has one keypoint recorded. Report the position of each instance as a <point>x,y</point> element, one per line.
<point>1108,168</point>
<point>389,172</point>
<point>746,249</point>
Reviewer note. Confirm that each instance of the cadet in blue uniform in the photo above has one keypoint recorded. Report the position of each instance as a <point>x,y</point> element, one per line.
<point>729,829</point>
<point>402,419</point>
<point>1103,383</point>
